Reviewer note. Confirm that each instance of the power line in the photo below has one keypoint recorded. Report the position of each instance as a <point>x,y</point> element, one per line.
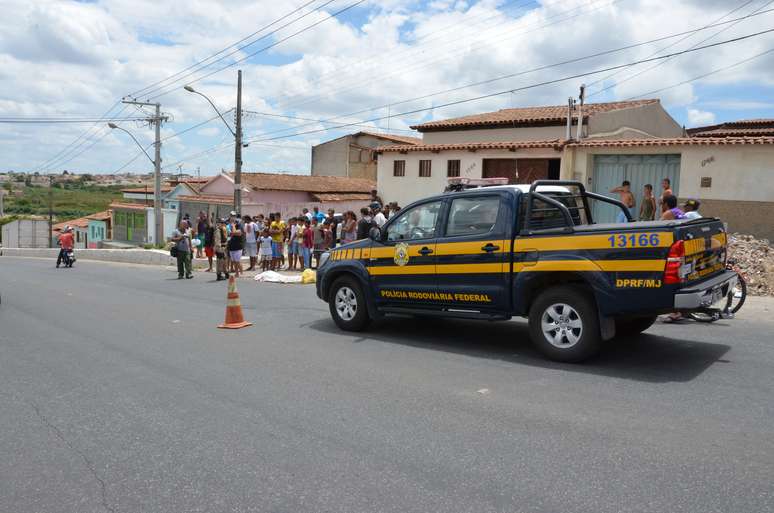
<point>267,47</point>
<point>196,64</point>
<point>484,82</point>
<point>54,121</point>
<point>704,75</point>
<point>351,68</point>
<point>267,114</point>
<point>480,43</point>
<point>728,24</point>
<point>531,86</point>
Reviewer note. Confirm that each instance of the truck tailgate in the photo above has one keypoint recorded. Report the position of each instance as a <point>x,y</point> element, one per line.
<point>705,248</point>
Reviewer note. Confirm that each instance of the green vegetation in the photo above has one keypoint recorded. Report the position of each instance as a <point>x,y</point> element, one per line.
<point>70,200</point>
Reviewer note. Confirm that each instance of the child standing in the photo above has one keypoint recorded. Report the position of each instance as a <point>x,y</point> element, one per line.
<point>265,251</point>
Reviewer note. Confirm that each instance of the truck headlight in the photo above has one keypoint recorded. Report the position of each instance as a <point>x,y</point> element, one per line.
<point>324,259</point>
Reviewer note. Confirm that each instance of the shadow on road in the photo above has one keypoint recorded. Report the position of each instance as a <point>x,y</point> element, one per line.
<point>648,358</point>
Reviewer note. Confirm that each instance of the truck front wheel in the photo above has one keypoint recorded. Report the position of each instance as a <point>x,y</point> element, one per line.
<point>564,324</point>
<point>347,305</point>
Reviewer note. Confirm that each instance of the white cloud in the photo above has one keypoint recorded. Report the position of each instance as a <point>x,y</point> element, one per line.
<point>79,58</point>
<point>698,117</point>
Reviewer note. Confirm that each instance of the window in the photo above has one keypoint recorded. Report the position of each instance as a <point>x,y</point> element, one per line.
<point>416,223</point>
<point>546,216</point>
<point>453,168</point>
<point>424,168</point>
<point>399,168</point>
<point>472,216</point>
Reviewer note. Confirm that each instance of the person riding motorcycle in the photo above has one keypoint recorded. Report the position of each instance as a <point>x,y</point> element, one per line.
<point>66,243</point>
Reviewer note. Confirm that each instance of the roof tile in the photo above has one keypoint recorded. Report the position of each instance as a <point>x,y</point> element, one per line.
<point>527,115</point>
<point>306,183</point>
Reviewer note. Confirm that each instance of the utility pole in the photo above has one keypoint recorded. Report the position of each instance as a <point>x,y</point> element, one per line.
<point>156,121</point>
<point>582,98</point>
<point>50,211</point>
<point>238,148</point>
<point>237,137</point>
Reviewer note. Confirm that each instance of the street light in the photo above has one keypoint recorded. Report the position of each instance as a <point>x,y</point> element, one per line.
<point>237,138</point>
<point>158,222</point>
<point>114,126</point>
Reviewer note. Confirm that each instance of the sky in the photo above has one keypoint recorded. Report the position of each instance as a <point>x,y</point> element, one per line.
<point>372,65</point>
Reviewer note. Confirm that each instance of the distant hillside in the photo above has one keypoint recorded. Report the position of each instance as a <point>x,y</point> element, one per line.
<point>69,202</point>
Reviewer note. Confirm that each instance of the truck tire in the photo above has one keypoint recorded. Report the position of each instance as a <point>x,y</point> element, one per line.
<point>347,305</point>
<point>628,326</point>
<point>564,324</point>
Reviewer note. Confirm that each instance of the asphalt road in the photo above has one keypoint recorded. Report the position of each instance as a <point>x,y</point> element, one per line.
<point>117,393</point>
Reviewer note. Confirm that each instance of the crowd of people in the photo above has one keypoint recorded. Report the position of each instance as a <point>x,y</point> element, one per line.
<point>650,205</point>
<point>271,242</point>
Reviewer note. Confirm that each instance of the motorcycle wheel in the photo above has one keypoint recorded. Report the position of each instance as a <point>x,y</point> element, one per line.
<point>735,303</point>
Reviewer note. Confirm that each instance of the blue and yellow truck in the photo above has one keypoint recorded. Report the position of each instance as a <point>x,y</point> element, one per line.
<point>534,251</point>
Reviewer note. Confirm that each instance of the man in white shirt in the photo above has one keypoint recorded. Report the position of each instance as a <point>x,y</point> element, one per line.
<point>691,209</point>
<point>378,217</point>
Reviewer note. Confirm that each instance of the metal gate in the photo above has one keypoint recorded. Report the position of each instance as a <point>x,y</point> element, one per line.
<point>611,170</point>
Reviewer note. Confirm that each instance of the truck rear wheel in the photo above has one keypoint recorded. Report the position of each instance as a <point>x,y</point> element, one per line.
<point>564,325</point>
<point>628,326</point>
<point>348,305</point>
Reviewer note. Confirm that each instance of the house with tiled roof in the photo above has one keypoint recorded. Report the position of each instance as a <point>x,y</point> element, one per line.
<point>353,155</point>
<point>286,193</point>
<point>521,144</point>
<point>741,128</point>
<point>729,167</point>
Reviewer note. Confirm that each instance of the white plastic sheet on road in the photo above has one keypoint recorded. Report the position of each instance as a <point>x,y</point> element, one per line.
<point>275,277</point>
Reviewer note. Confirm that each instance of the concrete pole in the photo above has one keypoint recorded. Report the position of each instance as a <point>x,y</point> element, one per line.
<point>2,195</point>
<point>50,211</point>
<point>238,148</point>
<point>159,237</point>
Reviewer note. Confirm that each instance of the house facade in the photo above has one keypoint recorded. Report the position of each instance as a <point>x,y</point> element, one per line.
<point>134,223</point>
<point>728,167</point>
<point>353,155</point>
<point>522,144</point>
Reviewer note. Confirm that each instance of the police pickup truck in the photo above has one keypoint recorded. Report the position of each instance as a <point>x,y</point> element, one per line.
<point>533,251</point>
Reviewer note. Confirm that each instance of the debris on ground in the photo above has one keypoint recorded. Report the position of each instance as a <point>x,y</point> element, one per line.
<point>755,258</point>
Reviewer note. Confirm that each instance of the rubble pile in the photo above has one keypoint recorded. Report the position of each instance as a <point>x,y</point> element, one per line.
<point>755,258</point>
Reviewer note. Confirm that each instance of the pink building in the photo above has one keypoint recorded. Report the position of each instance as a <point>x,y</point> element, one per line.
<point>289,194</point>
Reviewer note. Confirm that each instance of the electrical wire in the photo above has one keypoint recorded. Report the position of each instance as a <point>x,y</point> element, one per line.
<point>531,86</point>
<point>267,47</point>
<point>198,63</point>
<point>703,75</point>
<point>730,24</point>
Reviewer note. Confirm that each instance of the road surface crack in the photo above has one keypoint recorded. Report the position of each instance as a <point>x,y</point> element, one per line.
<point>74,449</point>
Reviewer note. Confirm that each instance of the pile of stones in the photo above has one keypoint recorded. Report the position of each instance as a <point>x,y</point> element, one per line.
<point>755,258</point>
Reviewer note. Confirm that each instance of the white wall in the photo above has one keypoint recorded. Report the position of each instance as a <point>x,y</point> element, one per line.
<point>540,133</point>
<point>740,172</point>
<point>411,187</point>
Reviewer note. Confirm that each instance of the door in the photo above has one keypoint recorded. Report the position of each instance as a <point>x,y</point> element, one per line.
<point>501,168</point>
<point>611,170</point>
<point>401,265</point>
<point>473,265</point>
<point>129,226</point>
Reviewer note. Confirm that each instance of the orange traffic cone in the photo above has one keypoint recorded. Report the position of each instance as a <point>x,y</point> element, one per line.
<point>234,318</point>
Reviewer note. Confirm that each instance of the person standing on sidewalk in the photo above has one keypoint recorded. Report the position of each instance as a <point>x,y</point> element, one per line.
<point>209,244</point>
<point>235,247</point>
<point>220,241</point>
<point>648,205</point>
<point>182,239</point>
<point>251,242</point>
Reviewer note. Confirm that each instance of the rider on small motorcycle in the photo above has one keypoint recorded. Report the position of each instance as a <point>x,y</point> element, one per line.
<point>66,243</point>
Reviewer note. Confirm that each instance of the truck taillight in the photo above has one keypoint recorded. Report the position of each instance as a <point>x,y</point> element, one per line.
<point>674,270</point>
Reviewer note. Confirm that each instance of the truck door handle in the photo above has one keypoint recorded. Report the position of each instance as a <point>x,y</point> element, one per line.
<point>425,251</point>
<point>490,247</point>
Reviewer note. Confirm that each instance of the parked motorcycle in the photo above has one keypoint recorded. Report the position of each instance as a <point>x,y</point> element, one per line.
<point>733,303</point>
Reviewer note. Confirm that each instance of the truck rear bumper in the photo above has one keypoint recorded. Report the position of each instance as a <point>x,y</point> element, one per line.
<point>706,293</point>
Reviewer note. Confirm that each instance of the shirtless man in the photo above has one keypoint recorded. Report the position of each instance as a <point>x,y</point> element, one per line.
<point>627,198</point>
<point>666,190</point>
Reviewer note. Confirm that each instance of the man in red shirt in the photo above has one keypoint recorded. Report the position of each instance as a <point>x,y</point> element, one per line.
<point>66,243</point>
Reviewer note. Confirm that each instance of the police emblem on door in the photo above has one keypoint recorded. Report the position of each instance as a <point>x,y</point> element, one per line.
<point>401,253</point>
